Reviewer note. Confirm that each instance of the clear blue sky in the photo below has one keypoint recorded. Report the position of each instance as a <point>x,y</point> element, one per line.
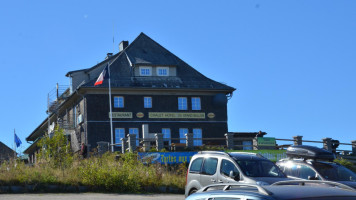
<point>292,62</point>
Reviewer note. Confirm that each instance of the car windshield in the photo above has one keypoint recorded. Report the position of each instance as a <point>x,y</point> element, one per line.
<point>335,172</point>
<point>260,168</point>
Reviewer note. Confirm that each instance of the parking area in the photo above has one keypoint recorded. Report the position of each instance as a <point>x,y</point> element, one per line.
<point>91,196</point>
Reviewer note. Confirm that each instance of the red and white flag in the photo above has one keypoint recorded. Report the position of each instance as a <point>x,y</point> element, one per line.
<point>104,75</point>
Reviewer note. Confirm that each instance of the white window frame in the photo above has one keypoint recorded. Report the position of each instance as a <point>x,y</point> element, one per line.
<point>119,134</point>
<point>182,103</point>
<point>145,68</point>
<point>167,135</point>
<point>135,132</point>
<point>197,133</point>
<point>117,102</point>
<point>182,132</point>
<point>196,103</point>
<point>158,70</point>
<point>147,102</point>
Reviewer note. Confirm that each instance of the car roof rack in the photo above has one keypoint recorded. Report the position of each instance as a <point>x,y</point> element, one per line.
<point>231,153</point>
<point>213,152</point>
<point>303,182</point>
<point>247,153</point>
<point>228,186</point>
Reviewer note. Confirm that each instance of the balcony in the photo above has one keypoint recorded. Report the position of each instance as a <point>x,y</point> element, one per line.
<point>56,97</point>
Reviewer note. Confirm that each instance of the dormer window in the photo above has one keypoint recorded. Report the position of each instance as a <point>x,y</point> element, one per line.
<point>145,71</point>
<point>162,71</point>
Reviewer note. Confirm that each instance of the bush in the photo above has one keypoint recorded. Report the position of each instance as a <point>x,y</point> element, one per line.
<point>346,163</point>
<point>57,165</point>
<point>101,173</point>
<point>55,150</point>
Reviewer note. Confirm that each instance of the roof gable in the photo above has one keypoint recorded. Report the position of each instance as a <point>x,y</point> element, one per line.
<point>145,51</point>
<point>5,150</point>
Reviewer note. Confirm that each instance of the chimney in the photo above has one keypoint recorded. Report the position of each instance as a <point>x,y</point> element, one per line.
<point>123,44</point>
<point>108,55</point>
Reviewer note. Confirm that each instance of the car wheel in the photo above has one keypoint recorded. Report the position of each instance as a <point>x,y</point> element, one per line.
<point>192,191</point>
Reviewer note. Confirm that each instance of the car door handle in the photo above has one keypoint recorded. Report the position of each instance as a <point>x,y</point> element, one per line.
<point>213,180</point>
<point>220,181</point>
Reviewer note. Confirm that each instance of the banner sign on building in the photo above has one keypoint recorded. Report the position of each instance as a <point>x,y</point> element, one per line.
<point>176,115</point>
<point>266,141</point>
<point>166,157</point>
<point>121,115</point>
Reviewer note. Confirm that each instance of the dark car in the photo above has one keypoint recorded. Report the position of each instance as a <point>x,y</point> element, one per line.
<point>314,168</point>
<point>285,190</point>
<point>211,167</point>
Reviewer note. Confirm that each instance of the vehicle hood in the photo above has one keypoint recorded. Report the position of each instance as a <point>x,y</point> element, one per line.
<point>349,183</point>
<point>270,180</point>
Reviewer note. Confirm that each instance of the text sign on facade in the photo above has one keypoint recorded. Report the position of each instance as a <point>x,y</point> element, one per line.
<point>266,141</point>
<point>121,115</point>
<point>176,115</point>
<point>166,157</point>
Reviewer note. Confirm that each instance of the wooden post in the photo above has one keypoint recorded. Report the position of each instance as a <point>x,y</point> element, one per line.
<point>123,145</point>
<point>189,140</point>
<point>255,143</point>
<point>159,141</point>
<point>353,147</point>
<point>298,140</point>
<point>229,140</point>
<point>132,142</point>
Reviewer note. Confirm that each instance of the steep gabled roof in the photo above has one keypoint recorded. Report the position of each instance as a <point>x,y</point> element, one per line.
<point>93,67</point>
<point>4,149</point>
<point>145,51</point>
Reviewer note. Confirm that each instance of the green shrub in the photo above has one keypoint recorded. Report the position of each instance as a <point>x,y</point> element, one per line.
<point>346,163</point>
<point>55,150</point>
<point>100,173</point>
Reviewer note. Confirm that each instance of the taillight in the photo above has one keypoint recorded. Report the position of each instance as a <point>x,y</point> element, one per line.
<point>186,177</point>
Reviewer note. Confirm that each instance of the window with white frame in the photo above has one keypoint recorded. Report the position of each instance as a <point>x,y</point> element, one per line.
<point>119,134</point>
<point>147,102</point>
<point>196,103</point>
<point>118,102</point>
<point>135,132</point>
<point>197,135</point>
<point>166,135</point>
<point>182,132</point>
<point>145,71</point>
<point>162,71</point>
<point>182,103</point>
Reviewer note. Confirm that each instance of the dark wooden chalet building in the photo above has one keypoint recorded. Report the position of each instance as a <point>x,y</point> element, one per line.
<point>6,152</point>
<point>150,85</point>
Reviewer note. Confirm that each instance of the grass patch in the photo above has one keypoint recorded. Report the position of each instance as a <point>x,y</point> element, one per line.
<point>102,173</point>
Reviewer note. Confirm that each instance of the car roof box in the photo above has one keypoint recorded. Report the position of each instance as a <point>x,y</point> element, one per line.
<point>309,152</point>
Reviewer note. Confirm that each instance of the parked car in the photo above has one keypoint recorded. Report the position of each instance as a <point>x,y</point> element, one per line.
<point>285,190</point>
<point>210,167</point>
<point>312,163</point>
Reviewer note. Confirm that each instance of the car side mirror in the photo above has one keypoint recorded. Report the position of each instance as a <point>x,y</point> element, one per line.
<point>233,176</point>
<point>313,178</point>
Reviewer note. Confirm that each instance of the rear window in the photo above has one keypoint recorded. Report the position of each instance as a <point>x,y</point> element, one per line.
<point>196,165</point>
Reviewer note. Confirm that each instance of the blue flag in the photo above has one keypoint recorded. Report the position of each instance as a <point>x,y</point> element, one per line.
<point>17,141</point>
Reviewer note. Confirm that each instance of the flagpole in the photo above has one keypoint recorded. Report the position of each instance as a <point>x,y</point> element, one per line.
<point>14,144</point>
<point>110,116</point>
